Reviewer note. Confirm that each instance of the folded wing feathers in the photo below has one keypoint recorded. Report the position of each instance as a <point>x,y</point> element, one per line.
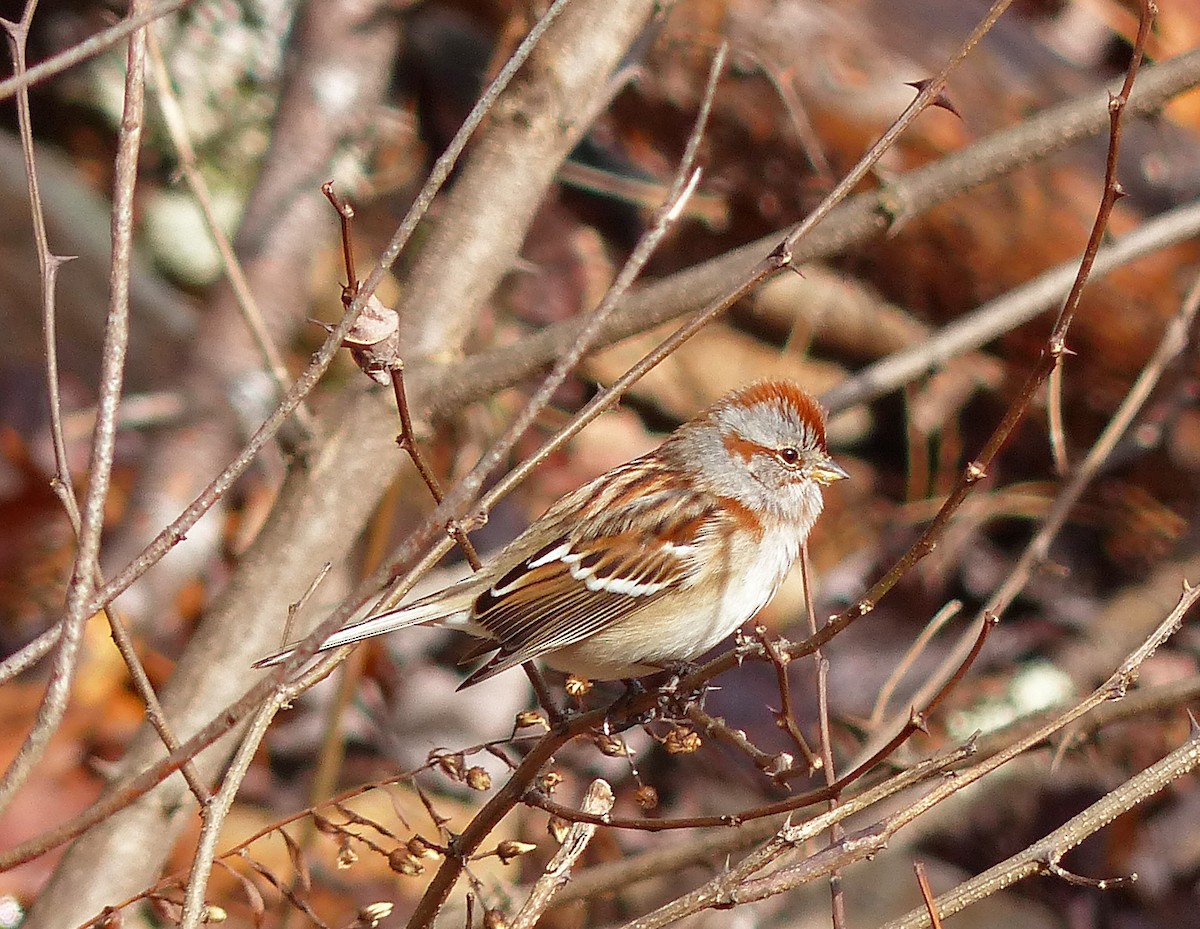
<point>568,589</point>
<point>571,588</point>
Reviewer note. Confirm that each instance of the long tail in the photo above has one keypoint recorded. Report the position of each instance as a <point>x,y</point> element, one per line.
<point>431,609</point>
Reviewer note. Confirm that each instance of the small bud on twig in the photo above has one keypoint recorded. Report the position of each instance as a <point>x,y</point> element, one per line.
<point>401,861</point>
<point>509,849</point>
<point>532,718</point>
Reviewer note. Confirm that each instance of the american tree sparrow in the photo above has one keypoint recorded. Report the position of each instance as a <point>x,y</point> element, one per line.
<point>652,563</point>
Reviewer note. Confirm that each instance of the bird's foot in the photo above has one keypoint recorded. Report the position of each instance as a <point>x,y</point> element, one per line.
<point>674,701</point>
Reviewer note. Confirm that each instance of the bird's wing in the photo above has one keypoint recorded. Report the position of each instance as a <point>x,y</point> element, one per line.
<point>592,575</point>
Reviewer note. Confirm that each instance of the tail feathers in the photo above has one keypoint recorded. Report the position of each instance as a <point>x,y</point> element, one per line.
<point>414,614</point>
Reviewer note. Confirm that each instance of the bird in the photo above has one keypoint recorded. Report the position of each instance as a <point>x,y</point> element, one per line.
<point>654,562</point>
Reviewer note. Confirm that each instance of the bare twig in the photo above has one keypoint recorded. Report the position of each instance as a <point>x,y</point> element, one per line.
<point>1172,343</point>
<point>216,811</point>
<point>785,716</point>
<point>48,264</point>
<point>771,765</point>
<point>736,886</point>
<point>940,618</point>
<point>837,898</point>
<point>30,655</point>
<point>860,218</point>
<point>599,799</point>
<point>1043,856</point>
<point>1054,421</point>
<point>116,339</point>
<point>82,51</point>
<point>927,894</point>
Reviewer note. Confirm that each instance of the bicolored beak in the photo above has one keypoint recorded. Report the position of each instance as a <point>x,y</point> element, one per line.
<point>826,471</point>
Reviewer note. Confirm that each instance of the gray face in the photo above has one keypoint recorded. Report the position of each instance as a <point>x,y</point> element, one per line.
<point>762,454</point>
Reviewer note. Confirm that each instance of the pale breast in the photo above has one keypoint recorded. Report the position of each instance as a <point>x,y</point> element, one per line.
<point>686,624</point>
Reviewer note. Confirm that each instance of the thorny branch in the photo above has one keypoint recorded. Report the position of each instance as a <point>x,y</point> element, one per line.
<point>116,340</point>
<point>737,885</point>
<point>122,795</point>
<point>440,886</point>
<point>857,843</point>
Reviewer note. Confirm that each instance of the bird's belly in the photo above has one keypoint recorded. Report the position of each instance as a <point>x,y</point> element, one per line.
<point>681,626</point>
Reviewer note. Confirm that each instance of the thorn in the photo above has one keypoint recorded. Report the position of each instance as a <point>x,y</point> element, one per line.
<point>940,100</point>
<point>1057,347</point>
<point>781,254</point>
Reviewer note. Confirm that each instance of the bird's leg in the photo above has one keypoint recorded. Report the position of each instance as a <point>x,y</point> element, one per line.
<point>554,716</point>
<point>673,702</point>
<point>634,688</point>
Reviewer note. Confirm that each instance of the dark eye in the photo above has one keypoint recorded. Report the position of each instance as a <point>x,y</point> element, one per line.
<point>789,456</point>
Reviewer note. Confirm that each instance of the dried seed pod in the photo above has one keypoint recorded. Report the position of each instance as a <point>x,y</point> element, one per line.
<point>780,763</point>
<point>346,856</point>
<point>532,718</point>
<point>646,797</point>
<point>611,745</point>
<point>419,848</point>
<point>494,919</point>
<point>451,765</point>
<point>577,686</point>
<point>402,862</point>
<point>478,779</point>
<point>373,914</point>
<point>550,780</point>
<point>374,340</point>
<point>681,741</point>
